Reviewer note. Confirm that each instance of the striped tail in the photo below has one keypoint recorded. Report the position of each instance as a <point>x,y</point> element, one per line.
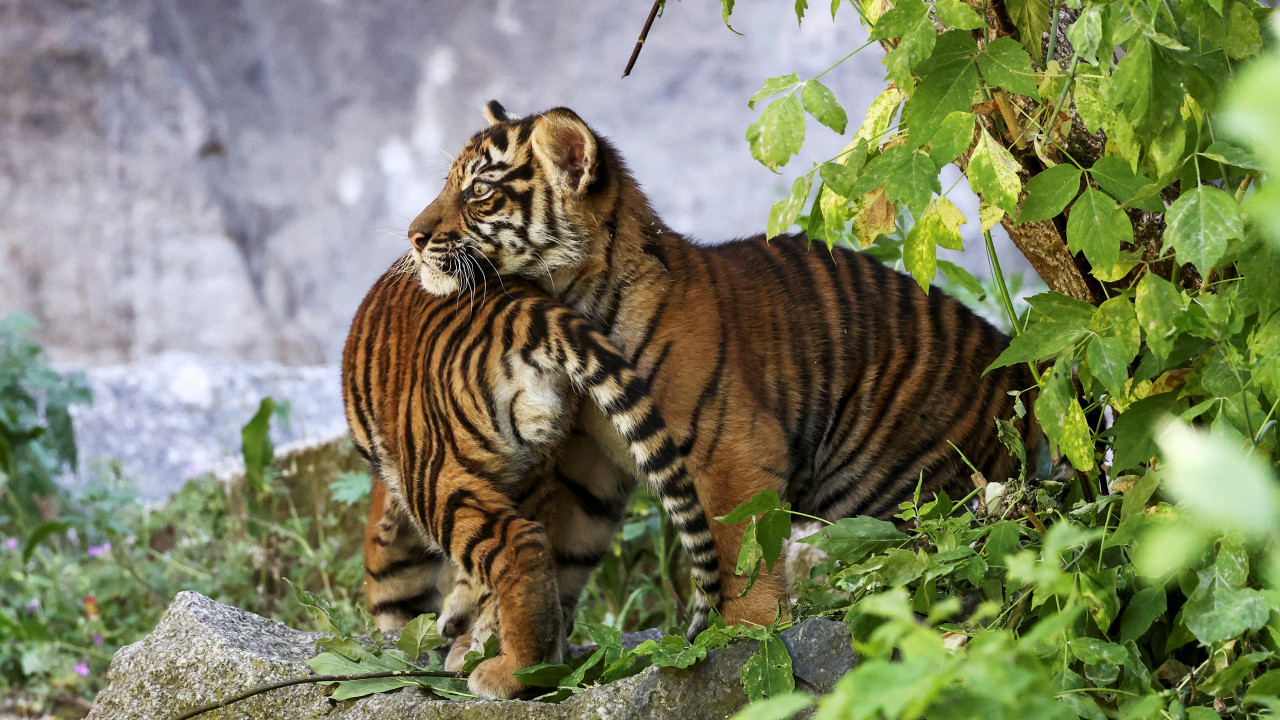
<point>595,365</point>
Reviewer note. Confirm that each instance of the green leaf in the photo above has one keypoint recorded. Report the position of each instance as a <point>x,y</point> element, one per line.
<point>1109,361</point>
<point>1266,686</point>
<point>1005,64</point>
<point>1062,418</point>
<point>993,173</point>
<point>1031,17</point>
<point>1142,610</point>
<point>351,487</point>
<point>1244,40</point>
<point>1147,87</point>
<point>948,86</point>
<point>1135,430</point>
<point>783,214</point>
<point>672,651</point>
<point>962,278</point>
<point>419,636</point>
<point>1158,303</point>
<point>839,178</point>
<point>912,49</point>
<point>1097,226</point>
<point>762,501</point>
<point>1224,613</point>
<point>779,707</point>
<point>953,137</point>
<point>909,177</point>
<point>899,20</point>
<point>768,672</point>
<point>1085,34</point>
<point>1002,541</point>
<point>772,528</point>
<point>959,15</point>
<point>801,6</point>
<point>779,132</point>
<point>1049,192</point>
<point>821,103</point>
<point>1056,307</point>
<point>1115,177</point>
<point>1040,341</point>
<point>544,675</point>
<point>1229,154</point>
<point>750,555</point>
<point>773,86</point>
<point>42,531</point>
<point>351,689</point>
<point>256,445</point>
<point>1200,224</point>
<point>849,540</point>
<point>1093,651</point>
<point>1243,495</point>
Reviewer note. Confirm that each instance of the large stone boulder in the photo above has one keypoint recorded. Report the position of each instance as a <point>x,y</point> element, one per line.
<point>203,651</point>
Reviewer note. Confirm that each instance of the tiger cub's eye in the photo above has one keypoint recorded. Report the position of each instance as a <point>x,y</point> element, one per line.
<point>480,188</point>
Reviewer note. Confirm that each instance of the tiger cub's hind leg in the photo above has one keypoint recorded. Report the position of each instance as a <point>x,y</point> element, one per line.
<point>584,512</point>
<point>403,575</point>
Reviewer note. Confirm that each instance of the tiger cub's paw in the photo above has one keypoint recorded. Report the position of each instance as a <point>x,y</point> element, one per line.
<point>493,679</point>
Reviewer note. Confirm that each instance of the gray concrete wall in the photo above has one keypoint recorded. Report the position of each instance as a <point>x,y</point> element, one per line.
<point>227,177</point>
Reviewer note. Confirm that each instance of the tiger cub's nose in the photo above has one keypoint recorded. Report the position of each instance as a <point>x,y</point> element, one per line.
<point>418,240</point>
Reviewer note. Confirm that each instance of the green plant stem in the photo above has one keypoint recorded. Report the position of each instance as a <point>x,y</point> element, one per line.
<point>998,274</point>
<point>315,679</point>
<point>824,521</point>
<point>1053,34</point>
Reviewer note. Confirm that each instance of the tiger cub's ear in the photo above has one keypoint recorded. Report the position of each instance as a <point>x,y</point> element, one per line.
<point>566,147</point>
<point>495,113</point>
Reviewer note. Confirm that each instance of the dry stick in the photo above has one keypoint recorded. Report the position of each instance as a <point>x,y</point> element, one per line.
<point>653,13</point>
<point>314,679</point>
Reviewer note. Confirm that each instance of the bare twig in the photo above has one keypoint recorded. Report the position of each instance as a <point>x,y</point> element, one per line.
<point>314,679</point>
<point>653,13</point>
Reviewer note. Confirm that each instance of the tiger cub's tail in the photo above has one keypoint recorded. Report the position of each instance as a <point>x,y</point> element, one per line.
<point>595,365</point>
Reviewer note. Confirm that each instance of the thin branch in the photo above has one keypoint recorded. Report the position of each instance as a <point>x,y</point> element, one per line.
<point>653,13</point>
<point>314,679</point>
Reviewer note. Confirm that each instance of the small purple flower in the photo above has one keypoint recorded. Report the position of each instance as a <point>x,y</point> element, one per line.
<point>97,639</point>
<point>99,550</point>
<point>82,669</point>
<point>11,544</point>
<point>33,606</point>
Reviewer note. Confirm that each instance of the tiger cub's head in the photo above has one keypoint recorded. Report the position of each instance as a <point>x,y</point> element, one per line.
<point>519,200</point>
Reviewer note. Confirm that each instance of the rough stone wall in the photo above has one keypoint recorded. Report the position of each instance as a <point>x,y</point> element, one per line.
<point>227,177</point>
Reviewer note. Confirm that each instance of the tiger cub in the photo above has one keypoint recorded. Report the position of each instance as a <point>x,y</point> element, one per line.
<point>462,407</point>
<point>822,375</point>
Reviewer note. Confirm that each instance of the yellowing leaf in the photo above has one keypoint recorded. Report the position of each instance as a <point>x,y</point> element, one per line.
<point>989,215</point>
<point>784,212</point>
<point>878,117</point>
<point>993,173</point>
<point>875,216</point>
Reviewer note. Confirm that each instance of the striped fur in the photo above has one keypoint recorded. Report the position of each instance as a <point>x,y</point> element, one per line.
<point>823,375</point>
<point>463,409</point>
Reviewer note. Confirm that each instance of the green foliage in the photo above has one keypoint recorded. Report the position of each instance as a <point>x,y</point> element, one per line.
<point>37,442</point>
<point>97,576</point>
<point>1146,585</point>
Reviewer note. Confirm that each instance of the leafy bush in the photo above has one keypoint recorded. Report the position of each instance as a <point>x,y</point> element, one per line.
<point>37,442</point>
<point>98,575</point>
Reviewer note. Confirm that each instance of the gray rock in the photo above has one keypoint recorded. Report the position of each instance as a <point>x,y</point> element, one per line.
<point>202,650</point>
<point>171,416</point>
